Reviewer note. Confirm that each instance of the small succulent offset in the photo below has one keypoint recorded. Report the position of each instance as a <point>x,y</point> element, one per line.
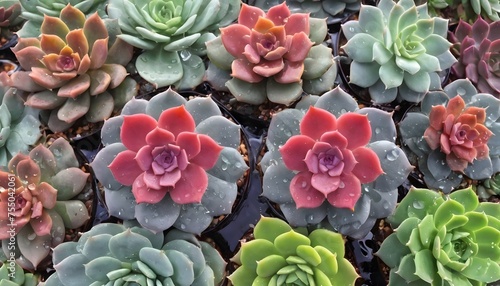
<point>327,159</point>
<point>169,162</point>
<point>34,10</point>
<point>11,274</point>
<point>280,255</point>
<point>455,133</point>
<point>70,68</point>
<point>490,187</point>
<point>9,17</point>
<point>489,9</point>
<point>478,49</point>
<point>397,50</point>
<point>316,8</point>
<point>271,56</point>
<point>114,254</point>
<point>443,240</point>
<point>38,202</point>
<point>172,34</point>
<point>19,126</point>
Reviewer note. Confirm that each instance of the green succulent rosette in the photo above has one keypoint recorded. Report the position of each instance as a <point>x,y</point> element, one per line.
<point>280,255</point>
<point>443,240</point>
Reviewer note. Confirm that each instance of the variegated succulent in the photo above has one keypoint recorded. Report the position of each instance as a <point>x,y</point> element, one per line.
<point>443,240</point>
<point>38,201</point>
<point>280,255</point>
<point>273,56</point>
<point>329,160</point>
<point>114,254</point>
<point>35,10</point>
<point>478,51</point>
<point>170,162</point>
<point>397,50</point>
<point>74,70</point>
<point>172,35</point>
<point>454,134</point>
<point>19,125</point>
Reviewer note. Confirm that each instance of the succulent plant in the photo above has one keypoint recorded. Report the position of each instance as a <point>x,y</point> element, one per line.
<point>280,255</point>
<point>169,162</point>
<point>434,6</point>
<point>75,69</point>
<point>454,134</point>
<point>397,50</point>
<point>489,9</point>
<point>490,187</point>
<point>443,240</point>
<point>316,8</point>
<point>114,254</point>
<point>44,185</point>
<point>34,12</point>
<point>19,126</point>
<point>478,49</point>
<point>328,159</point>
<point>271,56</point>
<point>172,35</point>
<point>11,274</point>
<point>9,16</point>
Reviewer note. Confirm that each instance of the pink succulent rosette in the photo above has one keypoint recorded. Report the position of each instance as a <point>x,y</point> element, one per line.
<point>459,132</point>
<point>331,158</point>
<point>164,156</point>
<point>273,44</point>
<point>32,198</point>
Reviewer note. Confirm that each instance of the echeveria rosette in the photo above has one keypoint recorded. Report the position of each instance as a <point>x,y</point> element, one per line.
<point>454,133</point>
<point>46,183</point>
<point>9,17</point>
<point>397,50</point>
<point>171,162</point>
<point>280,255</point>
<point>273,55</point>
<point>35,10</point>
<point>478,46</point>
<point>443,240</point>
<point>172,35</point>
<point>74,70</point>
<point>19,125</point>
<point>361,183</point>
<point>130,255</point>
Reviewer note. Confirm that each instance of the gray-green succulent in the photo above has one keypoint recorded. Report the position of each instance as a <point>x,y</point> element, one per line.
<point>115,254</point>
<point>397,50</point>
<point>170,162</point>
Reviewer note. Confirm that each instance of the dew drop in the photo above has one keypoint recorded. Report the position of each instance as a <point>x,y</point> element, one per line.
<point>393,154</point>
<point>418,205</point>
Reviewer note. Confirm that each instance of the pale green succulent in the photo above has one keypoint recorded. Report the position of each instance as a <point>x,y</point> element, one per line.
<point>172,34</point>
<point>11,274</point>
<point>397,50</point>
<point>443,240</point>
<point>489,9</point>
<point>280,255</point>
<point>114,254</point>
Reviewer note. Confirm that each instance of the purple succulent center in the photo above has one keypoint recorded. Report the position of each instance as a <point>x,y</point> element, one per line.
<point>462,134</point>
<point>326,159</point>
<point>168,158</point>
<point>20,202</point>
<point>66,63</point>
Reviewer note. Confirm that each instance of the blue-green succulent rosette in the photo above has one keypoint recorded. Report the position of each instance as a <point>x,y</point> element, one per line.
<point>166,184</point>
<point>172,35</point>
<point>359,205</point>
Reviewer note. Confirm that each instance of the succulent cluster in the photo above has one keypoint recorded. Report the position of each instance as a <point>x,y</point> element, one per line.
<point>397,50</point>
<point>43,186</point>
<point>11,274</point>
<point>280,255</point>
<point>490,187</point>
<point>70,68</point>
<point>348,165</point>
<point>488,9</point>
<point>169,162</point>
<point>172,35</point>
<point>9,17</point>
<point>272,56</point>
<point>443,240</point>
<point>19,126</point>
<point>113,254</point>
<point>478,49</point>
<point>34,12</point>
<point>453,134</point>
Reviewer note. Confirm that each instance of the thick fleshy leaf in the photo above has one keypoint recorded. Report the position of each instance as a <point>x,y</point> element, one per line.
<point>368,167</point>
<point>348,195</point>
<point>294,152</point>
<point>303,193</point>
<point>356,137</point>
<point>233,40</point>
<point>124,168</point>
<point>360,48</point>
<point>316,122</point>
<point>159,67</point>
<point>191,187</point>
<point>176,120</point>
<point>209,152</point>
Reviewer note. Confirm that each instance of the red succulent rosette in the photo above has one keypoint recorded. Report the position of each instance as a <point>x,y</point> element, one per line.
<point>273,44</point>
<point>164,156</point>
<point>331,158</point>
<point>459,132</point>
